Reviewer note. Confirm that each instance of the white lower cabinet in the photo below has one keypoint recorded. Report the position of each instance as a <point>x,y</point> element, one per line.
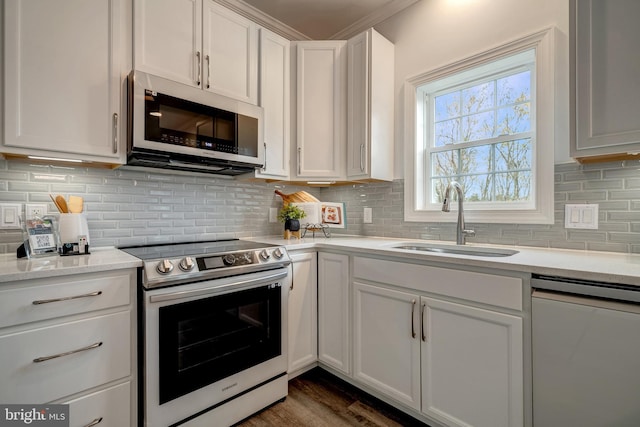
<point>303,315</point>
<point>472,369</point>
<point>334,338</point>
<point>387,342</point>
<point>419,343</point>
<point>71,339</point>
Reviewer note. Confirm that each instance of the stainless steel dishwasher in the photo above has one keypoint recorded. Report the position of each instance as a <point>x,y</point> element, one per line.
<point>586,353</point>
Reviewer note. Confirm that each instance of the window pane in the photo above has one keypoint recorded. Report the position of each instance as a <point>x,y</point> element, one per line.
<point>514,119</point>
<point>477,188</point>
<point>444,163</point>
<point>477,98</point>
<point>447,106</point>
<point>475,159</point>
<point>513,155</point>
<point>515,88</point>
<point>447,132</point>
<point>513,186</point>
<point>477,126</point>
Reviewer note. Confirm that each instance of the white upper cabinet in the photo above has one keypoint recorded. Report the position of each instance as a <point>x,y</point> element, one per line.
<point>321,111</point>
<point>168,39</point>
<point>370,111</point>
<point>199,43</point>
<point>605,67</point>
<point>275,69</point>
<point>64,68</point>
<point>230,46</point>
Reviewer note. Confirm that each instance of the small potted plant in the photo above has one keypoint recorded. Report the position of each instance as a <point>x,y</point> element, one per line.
<point>291,215</point>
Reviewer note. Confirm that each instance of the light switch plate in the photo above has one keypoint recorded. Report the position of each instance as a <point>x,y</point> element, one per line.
<point>273,214</point>
<point>368,216</point>
<point>9,215</point>
<point>581,216</point>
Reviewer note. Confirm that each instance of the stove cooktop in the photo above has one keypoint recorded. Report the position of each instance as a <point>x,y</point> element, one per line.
<point>179,263</point>
<point>172,250</point>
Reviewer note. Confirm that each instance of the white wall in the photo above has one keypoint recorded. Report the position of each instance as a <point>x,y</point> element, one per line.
<point>434,33</point>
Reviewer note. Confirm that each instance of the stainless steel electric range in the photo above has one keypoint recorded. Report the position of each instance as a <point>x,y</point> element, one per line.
<point>212,331</point>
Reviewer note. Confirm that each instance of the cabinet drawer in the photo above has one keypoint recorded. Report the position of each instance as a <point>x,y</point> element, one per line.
<point>112,407</point>
<point>63,296</point>
<point>501,291</point>
<point>25,379</point>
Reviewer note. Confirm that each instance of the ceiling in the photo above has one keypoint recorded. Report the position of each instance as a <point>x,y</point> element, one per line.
<point>318,19</point>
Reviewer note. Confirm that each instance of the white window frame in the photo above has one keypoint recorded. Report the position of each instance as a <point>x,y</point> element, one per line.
<point>417,164</point>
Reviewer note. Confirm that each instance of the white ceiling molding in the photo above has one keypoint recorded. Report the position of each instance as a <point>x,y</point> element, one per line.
<point>267,21</point>
<point>373,19</point>
<point>263,19</point>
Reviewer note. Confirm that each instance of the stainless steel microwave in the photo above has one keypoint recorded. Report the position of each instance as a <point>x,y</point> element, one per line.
<point>175,126</point>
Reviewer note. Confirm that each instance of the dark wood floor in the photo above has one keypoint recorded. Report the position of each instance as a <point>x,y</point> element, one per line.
<point>319,399</point>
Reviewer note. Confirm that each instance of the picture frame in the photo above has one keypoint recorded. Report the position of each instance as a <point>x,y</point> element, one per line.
<point>333,214</point>
<point>40,236</point>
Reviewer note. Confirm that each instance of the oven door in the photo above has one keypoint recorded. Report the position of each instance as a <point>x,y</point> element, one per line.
<point>209,341</point>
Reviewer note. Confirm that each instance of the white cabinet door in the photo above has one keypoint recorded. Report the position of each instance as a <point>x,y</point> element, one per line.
<point>62,81</point>
<point>472,365</point>
<point>606,69</point>
<point>303,316</point>
<point>333,311</point>
<point>230,53</point>
<point>321,110</point>
<point>275,99</point>
<point>168,39</point>
<point>386,342</point>
<point>370,111</point>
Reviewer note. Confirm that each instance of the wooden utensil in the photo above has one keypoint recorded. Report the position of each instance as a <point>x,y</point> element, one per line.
<point>76,204</point>
<point>297,197</point>
<point>61,203</point>
<point>55,202</point>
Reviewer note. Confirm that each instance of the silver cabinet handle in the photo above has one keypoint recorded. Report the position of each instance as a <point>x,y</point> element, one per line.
<point>413,309</point>
<point>264,167</point>
<point>299,155</point>
<point>199,69</point>
<point>94,422</point>
<point>361,157</point>
<point>208,72</point>
<point>115,133</point>
<point>422,328</point>
<point>47,301</point>
<point>55,356</point>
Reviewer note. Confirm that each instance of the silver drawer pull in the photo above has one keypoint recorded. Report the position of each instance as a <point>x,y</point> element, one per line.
<point>47,301</point>
<point>94,422</point>
<point>55,356</point>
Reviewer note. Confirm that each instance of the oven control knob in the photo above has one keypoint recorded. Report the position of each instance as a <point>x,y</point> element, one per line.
<point>186,264</point>
<point>278,253</point>
<point>164,267</point>
<point>229,259</point>
<point>246,258</point>
<point>264,255</point>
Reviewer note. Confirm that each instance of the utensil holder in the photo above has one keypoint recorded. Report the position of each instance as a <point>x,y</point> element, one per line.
<point>74,234</point>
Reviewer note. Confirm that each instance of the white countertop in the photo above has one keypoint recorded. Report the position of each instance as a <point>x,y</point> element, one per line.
<point>590,265</point>
<point>100,259</point>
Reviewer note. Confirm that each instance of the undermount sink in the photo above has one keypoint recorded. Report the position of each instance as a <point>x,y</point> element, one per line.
<point>457,250</point>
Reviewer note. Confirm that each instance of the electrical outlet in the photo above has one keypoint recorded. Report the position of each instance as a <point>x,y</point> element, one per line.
<point>10,215</point>
<point>32,210</point>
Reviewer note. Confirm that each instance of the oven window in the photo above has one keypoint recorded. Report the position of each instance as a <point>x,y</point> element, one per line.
<point>209,339</point>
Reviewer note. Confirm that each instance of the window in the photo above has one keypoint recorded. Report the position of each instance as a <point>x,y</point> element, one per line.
<point>488,123</point>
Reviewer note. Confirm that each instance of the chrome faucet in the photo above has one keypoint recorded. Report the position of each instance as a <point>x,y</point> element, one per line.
<point>461,233</point>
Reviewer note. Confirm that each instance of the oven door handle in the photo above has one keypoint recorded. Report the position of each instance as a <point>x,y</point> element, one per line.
<point>205,291</point>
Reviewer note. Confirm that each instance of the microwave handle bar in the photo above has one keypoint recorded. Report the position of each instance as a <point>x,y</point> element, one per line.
<point>199,292</point>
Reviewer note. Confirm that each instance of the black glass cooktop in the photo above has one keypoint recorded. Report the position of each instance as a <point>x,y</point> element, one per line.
<point>171,250</point>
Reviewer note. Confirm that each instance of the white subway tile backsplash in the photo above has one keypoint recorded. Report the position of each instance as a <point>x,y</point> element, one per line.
<point>128,206</point>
